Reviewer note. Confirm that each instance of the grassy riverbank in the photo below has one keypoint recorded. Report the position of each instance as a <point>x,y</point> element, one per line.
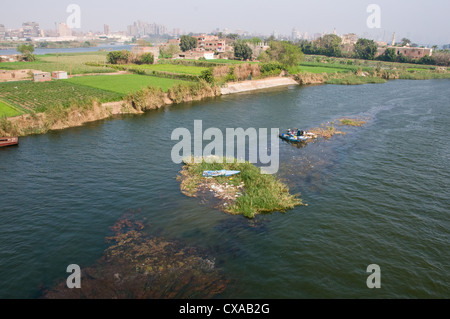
<point>248,193</point>
<point>174,81</point>
<point>61,113</point>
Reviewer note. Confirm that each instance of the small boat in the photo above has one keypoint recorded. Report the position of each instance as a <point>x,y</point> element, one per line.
<point>294,137</point>
<point>220,173</point>
<point>8,141</point>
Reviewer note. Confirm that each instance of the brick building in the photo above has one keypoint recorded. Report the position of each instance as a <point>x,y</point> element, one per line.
<point>139,50</point>
<point>409,52</point>
<point>211,43</point>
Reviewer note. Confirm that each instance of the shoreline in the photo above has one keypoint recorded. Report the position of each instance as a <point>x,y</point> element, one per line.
<point>33,124</point>
<point>254,85</point>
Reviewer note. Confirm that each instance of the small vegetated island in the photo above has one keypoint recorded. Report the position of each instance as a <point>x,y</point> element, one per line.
<point>248,193</point>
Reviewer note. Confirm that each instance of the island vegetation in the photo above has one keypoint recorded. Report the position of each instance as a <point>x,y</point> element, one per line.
<point>248,193</point>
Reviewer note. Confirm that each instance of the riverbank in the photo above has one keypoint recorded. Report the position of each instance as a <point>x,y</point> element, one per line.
<point>253,85</point>
<point>154,98</point>
<point>134,103</point>
<point>78,114</point>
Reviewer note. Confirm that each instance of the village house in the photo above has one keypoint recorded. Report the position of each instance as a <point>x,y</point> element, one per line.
<point>211,43</point>
<point>42,77</point>
<point>15,75</point>
<point>409,52</point>
<point>59,75</point>
<point>196,55</point>
<point>139,50</point>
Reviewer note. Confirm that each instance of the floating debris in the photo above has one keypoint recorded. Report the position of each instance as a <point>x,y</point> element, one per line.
<point>138,266</point>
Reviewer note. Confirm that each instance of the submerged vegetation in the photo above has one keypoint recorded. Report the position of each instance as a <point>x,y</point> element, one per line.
<point>249,193</point>
<point>329,130</point>
<point>351,122</point>
<point>138,265</point>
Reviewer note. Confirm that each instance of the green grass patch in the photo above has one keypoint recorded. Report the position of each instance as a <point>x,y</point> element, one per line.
<point>39,97</point>
<point>7,110</point>
<point>355,80</point>
<point>124,83</point>
<point>69,62</point>
<point>180,69</point>
<point>320,69</point>
<point>423,75</point>
<point>225,61</point>
<point>254,193</point>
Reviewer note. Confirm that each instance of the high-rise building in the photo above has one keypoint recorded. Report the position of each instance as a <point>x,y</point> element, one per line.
<point>64,30</point>
<point>2,31</point>
<point>140,29</point>
<point>107,29</point>
<point>31,30</point>
<point>296,35</point>
<point>176,32</point>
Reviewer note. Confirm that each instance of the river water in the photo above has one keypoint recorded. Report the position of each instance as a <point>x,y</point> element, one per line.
<point>39,51</point>
<point>377,195</point>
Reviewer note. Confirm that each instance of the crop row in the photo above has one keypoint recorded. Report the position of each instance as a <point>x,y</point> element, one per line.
<point>40,96</point>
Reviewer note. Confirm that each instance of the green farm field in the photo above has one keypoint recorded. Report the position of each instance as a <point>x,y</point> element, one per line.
<point>225,61</point>
<point>74,63</point>
<point>181,69</point>
<point>7,110</point>
<point>39,97</point>
<point>125,83</point>
<point>320,69</point>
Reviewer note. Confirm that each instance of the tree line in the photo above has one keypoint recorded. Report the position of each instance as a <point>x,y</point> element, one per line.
<point>331,45</point>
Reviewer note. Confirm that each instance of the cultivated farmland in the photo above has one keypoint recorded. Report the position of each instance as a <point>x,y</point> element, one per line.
<point>39,97</point>
<point>69,62</point>
<point>7,110</point>
<point>124,84</point>
<point>180,69</point>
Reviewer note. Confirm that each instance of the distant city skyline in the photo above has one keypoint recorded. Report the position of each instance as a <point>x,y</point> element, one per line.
<point>423,22</point>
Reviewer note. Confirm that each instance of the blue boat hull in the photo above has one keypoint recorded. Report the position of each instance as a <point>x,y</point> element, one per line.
<point>220,173</point>
<point>296,139</point>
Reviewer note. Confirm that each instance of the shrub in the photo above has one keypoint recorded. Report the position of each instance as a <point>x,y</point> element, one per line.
<point>146,58</point>
<point>208,76</point>
<point>271,67</point>
<point>118,57</point>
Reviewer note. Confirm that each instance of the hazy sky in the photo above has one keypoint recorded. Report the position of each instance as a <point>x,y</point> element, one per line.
<point>424,22</point>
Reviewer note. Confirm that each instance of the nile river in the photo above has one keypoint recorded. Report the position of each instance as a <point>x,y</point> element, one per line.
<point>378,195</point>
